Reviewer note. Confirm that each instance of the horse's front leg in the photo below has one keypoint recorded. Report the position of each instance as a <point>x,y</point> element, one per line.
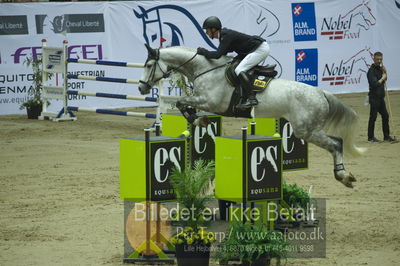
<point>187,106</point>
<point>198,102</point>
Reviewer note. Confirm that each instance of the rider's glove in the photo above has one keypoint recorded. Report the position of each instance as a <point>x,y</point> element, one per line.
<point>201,51</point>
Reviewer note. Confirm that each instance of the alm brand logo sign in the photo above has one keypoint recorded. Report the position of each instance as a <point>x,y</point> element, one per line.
<point>349,24</point>
<point>70,23</point>
<point>164,157</point>
<point>349,70</point>
<point>13,25</point>
<point>203,143</point>
<point>264,169</point>
<point>306,66</point>
<point>304,23</point>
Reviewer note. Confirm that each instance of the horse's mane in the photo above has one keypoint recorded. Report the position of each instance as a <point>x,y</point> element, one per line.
<point>185,48</point>
<point>222,59</point>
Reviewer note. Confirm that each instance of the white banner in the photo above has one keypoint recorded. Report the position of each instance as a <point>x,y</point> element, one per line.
<point>322,43</point>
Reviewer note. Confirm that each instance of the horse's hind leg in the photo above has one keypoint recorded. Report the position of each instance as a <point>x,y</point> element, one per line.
<point>335,146</point>
<point>339,171</point>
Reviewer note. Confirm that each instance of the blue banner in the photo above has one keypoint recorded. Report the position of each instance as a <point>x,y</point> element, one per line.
<point>304,25</point>
<point>307,66</point>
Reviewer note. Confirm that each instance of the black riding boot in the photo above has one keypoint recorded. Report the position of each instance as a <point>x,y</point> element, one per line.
<point>246,87</point>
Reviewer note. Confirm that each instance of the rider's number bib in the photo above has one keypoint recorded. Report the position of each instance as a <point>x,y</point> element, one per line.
<point>259,83</point>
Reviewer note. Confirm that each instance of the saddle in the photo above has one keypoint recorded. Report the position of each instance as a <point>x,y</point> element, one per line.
<point>259,76</point>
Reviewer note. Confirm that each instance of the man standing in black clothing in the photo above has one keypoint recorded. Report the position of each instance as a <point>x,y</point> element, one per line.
<point>377,77</point>
<point>253,50</point>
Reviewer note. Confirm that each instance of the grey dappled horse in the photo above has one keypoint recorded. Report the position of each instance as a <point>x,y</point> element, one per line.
<point>310,110</point>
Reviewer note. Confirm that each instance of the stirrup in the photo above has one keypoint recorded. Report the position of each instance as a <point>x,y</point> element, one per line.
<point>247,104</point>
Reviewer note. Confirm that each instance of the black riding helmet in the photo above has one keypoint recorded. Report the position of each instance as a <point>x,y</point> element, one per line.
<point>212,22</point>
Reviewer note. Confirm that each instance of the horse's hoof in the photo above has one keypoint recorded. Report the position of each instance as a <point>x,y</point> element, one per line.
<point>348,184</point>
<point>347,181</point>
<point>337,176</point>
<point>352,178</point>
<point>204,121</point>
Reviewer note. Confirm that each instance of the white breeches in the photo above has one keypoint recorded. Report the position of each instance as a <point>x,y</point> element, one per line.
<point>253,58</point>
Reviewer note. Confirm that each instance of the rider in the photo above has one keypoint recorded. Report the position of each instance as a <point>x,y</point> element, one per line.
<point>253,50</point>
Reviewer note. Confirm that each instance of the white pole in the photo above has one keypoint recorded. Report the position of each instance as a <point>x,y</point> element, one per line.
<point>45,78</point>
<point>160,103</point>
<point>65,78</point>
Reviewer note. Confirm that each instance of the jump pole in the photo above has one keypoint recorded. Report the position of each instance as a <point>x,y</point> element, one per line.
<point>162,100</point>
<point>61,93</point>
<point>111,112</point>
<point>105,63</point>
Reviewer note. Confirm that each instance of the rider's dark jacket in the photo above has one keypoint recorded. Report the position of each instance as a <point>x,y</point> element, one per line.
<point>376,89</point>
<point>233,41</point>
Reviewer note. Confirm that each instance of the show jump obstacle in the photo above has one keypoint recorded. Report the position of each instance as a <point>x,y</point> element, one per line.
<point>55,61</point>
<point>239,173</point>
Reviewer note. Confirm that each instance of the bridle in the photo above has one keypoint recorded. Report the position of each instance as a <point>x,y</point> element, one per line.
<point>156,57</point>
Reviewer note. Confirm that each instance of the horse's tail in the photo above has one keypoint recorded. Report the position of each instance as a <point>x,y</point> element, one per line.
<point>342,122</point>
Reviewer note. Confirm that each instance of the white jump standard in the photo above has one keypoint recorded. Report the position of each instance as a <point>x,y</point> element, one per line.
<point>55,61</point>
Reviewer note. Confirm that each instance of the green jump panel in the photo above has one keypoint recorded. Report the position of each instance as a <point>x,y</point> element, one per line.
<point>202,139</point>
<point>252,173</point>
<point>145,167</point>
<point>265,126</point>
<point>173,124</point>
<point>295,150</point>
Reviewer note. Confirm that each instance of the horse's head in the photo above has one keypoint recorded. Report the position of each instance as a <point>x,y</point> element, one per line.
<point>368,15</point>
<point>362,15</point>
<point>361,60</point>
<point>267,23</point>
<point>152,72</point>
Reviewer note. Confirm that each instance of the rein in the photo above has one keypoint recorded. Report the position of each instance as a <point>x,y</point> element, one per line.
<point>165,73</point>
<point>209,70</point>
